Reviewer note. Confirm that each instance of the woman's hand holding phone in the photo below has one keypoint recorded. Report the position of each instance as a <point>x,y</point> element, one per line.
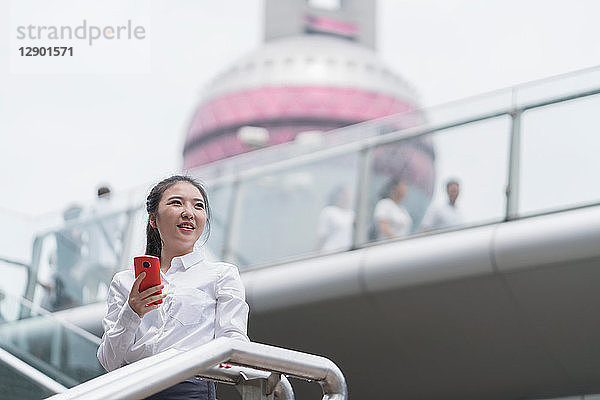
<point>141,302</point>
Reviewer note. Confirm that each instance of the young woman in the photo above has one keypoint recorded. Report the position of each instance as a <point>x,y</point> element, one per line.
<point>391,217</point>
<point>201,300</point>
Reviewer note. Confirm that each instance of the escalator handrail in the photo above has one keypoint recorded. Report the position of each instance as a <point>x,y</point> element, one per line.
<point>47,314</point>
<point>30,372</point>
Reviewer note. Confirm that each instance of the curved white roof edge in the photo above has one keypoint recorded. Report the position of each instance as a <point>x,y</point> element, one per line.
<point>488,250</point>
<point>311,60</point>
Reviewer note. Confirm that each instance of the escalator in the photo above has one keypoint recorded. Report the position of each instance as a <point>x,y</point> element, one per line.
<point>21,381</point>
<point>40,354</point>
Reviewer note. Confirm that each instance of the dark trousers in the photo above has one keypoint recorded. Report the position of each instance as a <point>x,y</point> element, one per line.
<point>193,389</point>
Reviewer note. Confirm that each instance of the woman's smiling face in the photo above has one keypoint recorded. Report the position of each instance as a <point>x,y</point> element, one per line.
<point>180,218</point>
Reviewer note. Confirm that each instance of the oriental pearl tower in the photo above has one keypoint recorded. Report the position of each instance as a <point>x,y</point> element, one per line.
<point>317,71</point>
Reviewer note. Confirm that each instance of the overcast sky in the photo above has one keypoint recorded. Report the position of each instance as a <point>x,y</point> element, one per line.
<point>63,134</point>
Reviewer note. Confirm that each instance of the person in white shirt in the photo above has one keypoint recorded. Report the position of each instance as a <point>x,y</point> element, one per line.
<point>391,218</point>
<point>335,226</point>
<point>201,300</point>
<point>445,215</point>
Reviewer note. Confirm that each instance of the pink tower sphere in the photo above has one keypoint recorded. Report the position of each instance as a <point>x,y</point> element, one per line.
<point>292,85</point>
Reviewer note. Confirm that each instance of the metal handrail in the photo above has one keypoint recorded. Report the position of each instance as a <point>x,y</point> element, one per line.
<point>156,373</point>
<point>42,313</point>
<point>236,375</point>
<point>30,372</point>
<point>13,262</point>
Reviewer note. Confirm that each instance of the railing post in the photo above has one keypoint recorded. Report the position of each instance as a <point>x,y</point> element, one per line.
<point>255,389</point>
<point>32,273</point>
<point>514,165</point>
<point>274,383</point>
<point>232,223</point>
<point>361,222</point>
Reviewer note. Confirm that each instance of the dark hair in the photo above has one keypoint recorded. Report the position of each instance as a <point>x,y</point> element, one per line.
<point>386,191</point>
<point>153,239</point>
<point>103,191</point>
<point>452,182</point>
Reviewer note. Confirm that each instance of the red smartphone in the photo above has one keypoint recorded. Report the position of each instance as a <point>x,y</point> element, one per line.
<point>151,266</point>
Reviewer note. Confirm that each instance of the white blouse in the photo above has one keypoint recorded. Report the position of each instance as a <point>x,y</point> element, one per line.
<point>335,228</point>
<point>205,300</point>
<point>395,214</point>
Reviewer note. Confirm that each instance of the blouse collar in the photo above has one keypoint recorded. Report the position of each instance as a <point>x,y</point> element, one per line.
<point>188,260</point>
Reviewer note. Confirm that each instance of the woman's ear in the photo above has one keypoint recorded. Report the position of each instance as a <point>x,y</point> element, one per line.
<point>152,220</point>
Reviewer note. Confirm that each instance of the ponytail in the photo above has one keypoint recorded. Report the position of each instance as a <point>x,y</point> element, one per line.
<point>153,241</point>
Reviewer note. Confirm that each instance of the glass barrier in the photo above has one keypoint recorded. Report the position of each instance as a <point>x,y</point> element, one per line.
<point>65,354</point>
<point>559,156</point>
<point>18,278</point>
<point>428,182</point>
<point>219,195</point>
<point>401,178</point>
<point>295,211</point>
<point>75,263</point>
<point>569,84</point>
<point>16,232</point>
<point>17,386</point>
<point>475,156</point>
<point>136,238</point>
<point>473,107</point>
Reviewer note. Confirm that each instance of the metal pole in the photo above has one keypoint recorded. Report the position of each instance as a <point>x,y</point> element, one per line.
<point>231,224</point>
<point>513,186</point>
<point>36,254</point>
<point>361,222</point>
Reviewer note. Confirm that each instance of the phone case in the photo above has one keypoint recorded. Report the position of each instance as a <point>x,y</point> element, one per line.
<point>150,265</point>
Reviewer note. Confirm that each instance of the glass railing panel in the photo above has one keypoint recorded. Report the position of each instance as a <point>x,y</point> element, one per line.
<point>407,169</point>
<point>76,261</point>
<point>279,213</point>
<point>559,156</point>
<point>408,179</point>
<point>473,107</point>
<point>16,231</point>
<point>219,196</point>
<point>136,237</point>
<point>65,354</point>
<point>381,126</point>
<point>477,156</point>
<point>17,386</point>
<point>16,278</point>
<point>14,286</point>
<point>559,86</point>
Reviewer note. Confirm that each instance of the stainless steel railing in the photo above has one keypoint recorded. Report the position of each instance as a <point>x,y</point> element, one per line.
<point>31,373</point>
<point>252,383</point>
<point>156,373</point>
